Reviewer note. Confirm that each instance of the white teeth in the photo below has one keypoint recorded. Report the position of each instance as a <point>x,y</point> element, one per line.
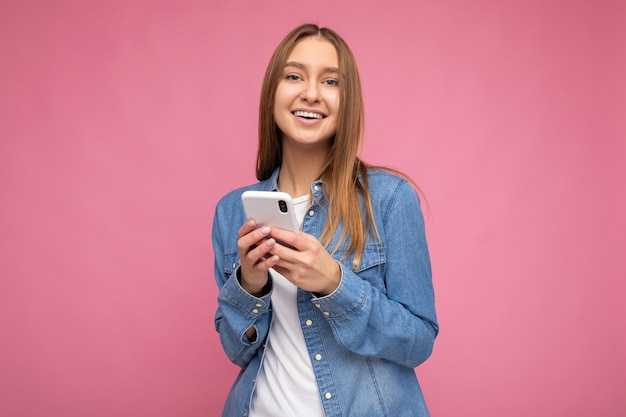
<point>307,114</point>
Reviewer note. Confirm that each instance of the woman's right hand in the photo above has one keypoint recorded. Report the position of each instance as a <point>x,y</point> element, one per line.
<point>254,252</point>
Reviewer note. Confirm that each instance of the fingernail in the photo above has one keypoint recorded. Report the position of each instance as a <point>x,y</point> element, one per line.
<point>251,223</point>
<point>265,230</point>
<point>270,242</point>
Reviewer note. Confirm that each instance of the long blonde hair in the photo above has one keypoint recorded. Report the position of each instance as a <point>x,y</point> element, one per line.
<point>343,173</point>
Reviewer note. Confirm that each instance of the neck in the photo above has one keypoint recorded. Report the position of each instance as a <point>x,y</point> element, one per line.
<point>300,168</point>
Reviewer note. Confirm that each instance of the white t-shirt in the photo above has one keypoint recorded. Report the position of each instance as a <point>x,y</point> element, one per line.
<point>286,385</point>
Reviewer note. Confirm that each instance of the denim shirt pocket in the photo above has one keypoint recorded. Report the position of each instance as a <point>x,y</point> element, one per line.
<point>371,268</point>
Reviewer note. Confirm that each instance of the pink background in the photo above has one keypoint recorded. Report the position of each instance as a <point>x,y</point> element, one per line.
<point>122,123</point>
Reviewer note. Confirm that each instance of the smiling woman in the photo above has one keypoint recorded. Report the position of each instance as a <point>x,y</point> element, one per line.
<point>333,321</point>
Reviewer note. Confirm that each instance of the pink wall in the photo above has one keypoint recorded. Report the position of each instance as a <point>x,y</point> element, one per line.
<point>122,122</point>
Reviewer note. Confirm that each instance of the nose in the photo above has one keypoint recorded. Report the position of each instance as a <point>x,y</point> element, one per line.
<point>310,92</point>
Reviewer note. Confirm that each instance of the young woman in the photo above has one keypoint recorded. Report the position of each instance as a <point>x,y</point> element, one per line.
<point>333,325</point>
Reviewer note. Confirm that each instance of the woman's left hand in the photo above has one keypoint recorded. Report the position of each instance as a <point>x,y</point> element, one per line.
<point>307,264</point>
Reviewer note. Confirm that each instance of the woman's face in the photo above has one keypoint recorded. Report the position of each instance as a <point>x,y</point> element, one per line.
<point>307,95</point>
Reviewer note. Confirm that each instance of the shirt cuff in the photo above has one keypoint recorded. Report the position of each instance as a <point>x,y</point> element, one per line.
<point>348,297</point>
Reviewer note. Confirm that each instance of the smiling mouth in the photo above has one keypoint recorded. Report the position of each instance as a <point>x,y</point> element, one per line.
<point>308,114</point>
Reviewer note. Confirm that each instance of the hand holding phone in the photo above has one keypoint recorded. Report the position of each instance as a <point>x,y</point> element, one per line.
<point>272,208</point>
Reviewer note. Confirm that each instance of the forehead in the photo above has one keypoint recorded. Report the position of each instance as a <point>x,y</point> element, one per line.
<point>313,51</point>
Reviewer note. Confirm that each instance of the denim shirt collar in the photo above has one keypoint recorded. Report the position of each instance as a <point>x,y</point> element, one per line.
<point>271,184</point>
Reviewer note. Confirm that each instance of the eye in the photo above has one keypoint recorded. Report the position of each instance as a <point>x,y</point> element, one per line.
<point>292,77</point>
<point>331,83</point>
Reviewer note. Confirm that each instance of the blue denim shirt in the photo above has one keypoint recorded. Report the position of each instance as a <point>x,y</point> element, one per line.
<point>371,332</point>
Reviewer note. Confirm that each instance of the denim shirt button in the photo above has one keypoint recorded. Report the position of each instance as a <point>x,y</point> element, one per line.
<point>308,322</point>
<point>318,305</point>
<point>318,357</point>
<point>326,313</point>
<point>259,305</point>
<point>255,311</point>
<point>311,213</point>
<point>328,395</point>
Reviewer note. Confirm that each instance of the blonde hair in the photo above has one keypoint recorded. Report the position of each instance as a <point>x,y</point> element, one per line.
<point>343,173</point>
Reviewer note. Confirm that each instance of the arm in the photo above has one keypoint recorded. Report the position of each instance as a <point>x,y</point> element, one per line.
<point>238,311</point>
<point>398,324</point>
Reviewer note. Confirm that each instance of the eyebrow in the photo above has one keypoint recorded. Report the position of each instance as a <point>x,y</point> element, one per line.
<point>301,66</point>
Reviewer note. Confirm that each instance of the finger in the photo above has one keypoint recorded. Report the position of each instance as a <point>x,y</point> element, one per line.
<point>246,228</point>
<point>252,238</point>
<point>271,261</point>
<point>286,237</point>
<point>260,252</point>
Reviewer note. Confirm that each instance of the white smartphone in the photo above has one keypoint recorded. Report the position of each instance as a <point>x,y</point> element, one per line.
<point>272,208</point>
